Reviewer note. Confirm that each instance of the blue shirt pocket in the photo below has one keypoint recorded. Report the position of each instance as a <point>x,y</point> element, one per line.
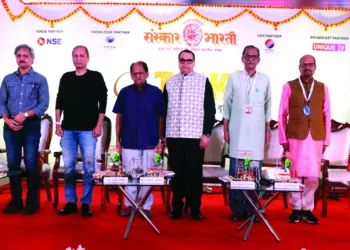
<point>11,89</point>
<point>31,90</point>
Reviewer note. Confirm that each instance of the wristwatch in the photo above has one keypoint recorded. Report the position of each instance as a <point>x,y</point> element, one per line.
<point>25,114</point>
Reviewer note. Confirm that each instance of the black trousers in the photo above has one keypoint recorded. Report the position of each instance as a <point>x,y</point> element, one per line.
<point>186,160</point>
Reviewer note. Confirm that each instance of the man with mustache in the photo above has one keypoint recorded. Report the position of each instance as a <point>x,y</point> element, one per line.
<point>305,134</point>
<point>82,98</point>
<point>247,115</point>
<point>139,128</point>
<point>24,98</point>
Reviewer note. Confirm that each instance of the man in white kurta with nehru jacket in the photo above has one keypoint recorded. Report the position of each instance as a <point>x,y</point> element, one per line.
<point>247,115</point>
<point>190,116</point>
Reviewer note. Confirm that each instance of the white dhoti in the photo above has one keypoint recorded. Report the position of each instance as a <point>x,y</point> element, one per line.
<point>147,162</point>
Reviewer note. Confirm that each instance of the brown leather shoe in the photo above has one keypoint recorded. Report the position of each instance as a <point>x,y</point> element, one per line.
<point>148,213</point>
<point>126,212</point>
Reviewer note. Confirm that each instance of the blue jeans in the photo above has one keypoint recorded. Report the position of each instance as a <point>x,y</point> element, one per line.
<point>87,144</point>
<point>27,138</point>
<point>237,199</point>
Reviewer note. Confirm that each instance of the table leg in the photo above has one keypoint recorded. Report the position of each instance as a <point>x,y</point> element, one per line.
<point>134,203</point>
<point>259,211</point>
<point>246,234</point>
<point>150,190</point>
<point>137,206</point>
<point>128,227</point>
<point>244,223</point>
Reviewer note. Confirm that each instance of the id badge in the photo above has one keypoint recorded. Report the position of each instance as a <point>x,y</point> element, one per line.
<point>248,109</point>
<point>306,110</point>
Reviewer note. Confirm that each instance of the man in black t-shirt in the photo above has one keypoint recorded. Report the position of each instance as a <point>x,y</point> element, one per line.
<point>82,97</point>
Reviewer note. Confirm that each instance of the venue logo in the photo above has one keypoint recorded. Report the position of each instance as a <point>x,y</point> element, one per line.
<point>49,41</point>
<point>328,47</point>
<point>192,33</point>
<point>41,41</point>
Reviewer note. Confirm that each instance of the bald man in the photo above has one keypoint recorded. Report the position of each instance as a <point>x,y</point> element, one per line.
<point>305,136</point>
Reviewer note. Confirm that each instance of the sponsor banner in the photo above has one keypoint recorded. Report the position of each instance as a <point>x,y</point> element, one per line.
<point>328,47</point>
<point>218,51</point>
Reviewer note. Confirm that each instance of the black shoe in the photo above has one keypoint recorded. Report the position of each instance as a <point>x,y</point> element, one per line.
<point>309,217</point>
<point>126,212</point>
<point>31,207</point>
<point>85,210</point>
<point>245,215</point>
<point>13,207</point>
<point>147,213</point>
<point>257,219</point>
<point>186,207</point>
<point>175,214</point>
<point>294,216</point>
<point>196,216</point>
<point>69,208</point>
<point>236,217</point>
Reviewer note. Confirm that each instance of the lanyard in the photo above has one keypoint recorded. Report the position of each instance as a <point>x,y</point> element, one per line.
<point>249,92</point>
<point>303,89</point>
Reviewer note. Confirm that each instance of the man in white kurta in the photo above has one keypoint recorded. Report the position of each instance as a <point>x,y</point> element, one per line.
<point>247,115</point>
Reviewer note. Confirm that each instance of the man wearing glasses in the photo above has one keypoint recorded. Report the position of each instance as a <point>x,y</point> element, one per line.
<point>247,115</point>
<point>139,127</point>
<point>306,135</point>
<point>190,116</point>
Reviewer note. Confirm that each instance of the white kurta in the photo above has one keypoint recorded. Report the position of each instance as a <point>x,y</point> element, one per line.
<point>247,131</point>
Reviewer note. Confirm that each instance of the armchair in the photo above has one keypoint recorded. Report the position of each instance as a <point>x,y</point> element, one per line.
<point>336,160</point>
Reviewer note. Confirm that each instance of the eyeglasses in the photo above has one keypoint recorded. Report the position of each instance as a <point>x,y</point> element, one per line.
<point>137,73</point>
<point>253,57</point>
<point>305,65</point>
<point>186,61</point>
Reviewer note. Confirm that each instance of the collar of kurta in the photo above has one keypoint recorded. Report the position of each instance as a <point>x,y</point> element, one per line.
<point>191,73</point>
<point>250,77</point>
<point>143,87</point>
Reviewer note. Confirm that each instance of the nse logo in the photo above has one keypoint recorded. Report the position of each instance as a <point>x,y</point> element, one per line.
<point>49,41</point>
